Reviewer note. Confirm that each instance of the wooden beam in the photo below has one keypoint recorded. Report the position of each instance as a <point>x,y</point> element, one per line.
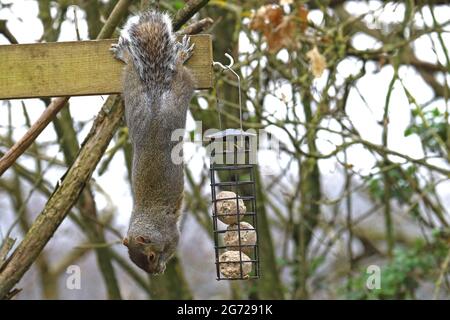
<point>79,68</point>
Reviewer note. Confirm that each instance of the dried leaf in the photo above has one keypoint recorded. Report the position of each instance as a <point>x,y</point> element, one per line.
<point>318,62</point>
<point>282,36</point>
<point>257,22</point>
<point>278,29</point>
<point>302,14</point>
<point>274,14</point>
<point>268,16</point>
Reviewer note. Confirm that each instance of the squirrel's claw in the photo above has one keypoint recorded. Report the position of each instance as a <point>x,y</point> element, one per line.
<point>118,50</point>
<point>186,49</point>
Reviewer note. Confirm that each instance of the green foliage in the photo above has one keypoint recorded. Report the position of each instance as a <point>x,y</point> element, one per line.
<point>425,126</point>
<point>400,186</point>
<point>401,277</point>
<point>178,4</point>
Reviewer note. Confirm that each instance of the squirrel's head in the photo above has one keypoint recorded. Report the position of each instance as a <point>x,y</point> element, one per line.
<point>151,253</point>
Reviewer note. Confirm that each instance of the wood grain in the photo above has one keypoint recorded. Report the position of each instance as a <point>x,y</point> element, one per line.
<point>79,68</point>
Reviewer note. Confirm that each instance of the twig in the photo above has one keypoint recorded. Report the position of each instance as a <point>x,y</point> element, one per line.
<point>114,18</point>
<point>20,146</point>
<point>386,179</point>
<point>75,20</point>
<point>97,245</point>
<point>197,27</point>
<point>4,250</point>
<point>444,269</point>
<point>184,14</point>
<point>5,31</point>
<point>12,294</point>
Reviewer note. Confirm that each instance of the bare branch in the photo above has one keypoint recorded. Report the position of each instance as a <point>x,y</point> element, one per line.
<point>197,27</point>
<point>184,14</point>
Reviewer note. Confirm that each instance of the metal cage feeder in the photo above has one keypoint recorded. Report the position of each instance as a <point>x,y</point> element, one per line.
<point>232,172</point>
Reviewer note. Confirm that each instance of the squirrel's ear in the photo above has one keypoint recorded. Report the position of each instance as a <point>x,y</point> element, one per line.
<point>125,241</point>
<point>141,240</point>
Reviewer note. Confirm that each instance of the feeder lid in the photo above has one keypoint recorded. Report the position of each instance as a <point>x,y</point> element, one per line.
<point>229,133</point>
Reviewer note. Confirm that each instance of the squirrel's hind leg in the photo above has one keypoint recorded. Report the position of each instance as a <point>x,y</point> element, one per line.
<point>120,50</point>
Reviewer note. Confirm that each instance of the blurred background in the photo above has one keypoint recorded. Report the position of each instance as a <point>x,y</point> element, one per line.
<point>356,93</point>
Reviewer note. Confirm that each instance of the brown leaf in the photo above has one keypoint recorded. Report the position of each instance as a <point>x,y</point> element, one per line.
<point>270,15</point>
<point>278,29</point>
<point>282,36</point>
<point>317,60</point>
<point>257,22</point>
<point>302,14</point>
<point>274,14</point>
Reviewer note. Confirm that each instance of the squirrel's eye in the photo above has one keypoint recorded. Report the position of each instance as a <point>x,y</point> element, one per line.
<point>151,256</point>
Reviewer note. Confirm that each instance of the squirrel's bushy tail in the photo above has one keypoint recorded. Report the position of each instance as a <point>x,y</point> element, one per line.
<point>153,48</point>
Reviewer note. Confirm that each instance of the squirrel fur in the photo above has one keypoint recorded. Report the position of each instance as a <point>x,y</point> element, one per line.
<point>157,89</point>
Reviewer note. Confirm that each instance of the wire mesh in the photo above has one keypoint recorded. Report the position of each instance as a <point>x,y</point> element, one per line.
<point>232,174</point>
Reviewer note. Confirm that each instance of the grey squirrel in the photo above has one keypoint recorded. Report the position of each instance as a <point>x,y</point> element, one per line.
<point>157,89</point>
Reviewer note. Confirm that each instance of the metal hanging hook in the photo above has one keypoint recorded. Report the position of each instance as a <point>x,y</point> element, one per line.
<point>229,67</point>
<point>216,63</point>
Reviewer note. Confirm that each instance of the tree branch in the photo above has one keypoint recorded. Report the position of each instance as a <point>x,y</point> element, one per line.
<point>197,27</point>
<point>5,31</point>
<point>184,14</point>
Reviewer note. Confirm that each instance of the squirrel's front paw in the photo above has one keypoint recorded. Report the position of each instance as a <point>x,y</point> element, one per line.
<point>186,49</point>
<point>119,50</point>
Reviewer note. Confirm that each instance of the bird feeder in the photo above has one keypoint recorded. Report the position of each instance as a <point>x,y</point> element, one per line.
<point>233,195</point>
<point>234,210</point>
